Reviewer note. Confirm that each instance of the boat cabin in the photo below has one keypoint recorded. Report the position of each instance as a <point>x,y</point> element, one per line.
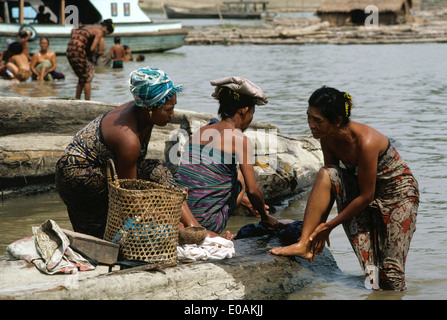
<point>245,6</point>
<point>56,11</point>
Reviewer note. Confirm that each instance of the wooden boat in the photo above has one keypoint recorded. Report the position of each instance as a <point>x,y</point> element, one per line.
<point>134,27</point>
<point>234,10</point>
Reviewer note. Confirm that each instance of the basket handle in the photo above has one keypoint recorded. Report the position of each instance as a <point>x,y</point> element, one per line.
<point>110,178</point>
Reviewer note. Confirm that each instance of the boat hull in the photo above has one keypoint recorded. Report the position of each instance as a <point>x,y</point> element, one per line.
<point>180,13</point>
<point>141,38</point>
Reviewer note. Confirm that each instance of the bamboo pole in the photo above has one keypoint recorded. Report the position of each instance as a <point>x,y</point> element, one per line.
<point>21,11</point>
<point>62,19</point>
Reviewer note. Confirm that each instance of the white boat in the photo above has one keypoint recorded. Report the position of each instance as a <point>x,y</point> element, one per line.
<point>134,27</point>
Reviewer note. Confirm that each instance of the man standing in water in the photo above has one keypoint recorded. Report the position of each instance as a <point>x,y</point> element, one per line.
<point>117,52</point>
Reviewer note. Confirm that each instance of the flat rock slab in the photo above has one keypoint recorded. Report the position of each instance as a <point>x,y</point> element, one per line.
<point>253,274</point>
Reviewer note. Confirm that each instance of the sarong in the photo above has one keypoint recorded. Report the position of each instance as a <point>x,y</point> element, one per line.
<point>381,234</point>
<point>81,178</point>
<point>78,56</point>
<point>213,187</point>
<point>23,74</point>
<point>44,64</point>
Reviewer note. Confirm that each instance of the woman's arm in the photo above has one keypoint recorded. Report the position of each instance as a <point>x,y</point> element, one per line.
<point>33,64</point>
<point>254,193</point>
<point>53,62</point>
<point>98,36</point>
<point>367,155</point>
<point>126,147</point>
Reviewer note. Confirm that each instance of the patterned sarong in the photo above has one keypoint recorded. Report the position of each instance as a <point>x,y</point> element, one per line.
<point>78,52</point>
<point>23,74</point>
<point>81,178</point>
<point>381,234</point>
<point>213,187</point>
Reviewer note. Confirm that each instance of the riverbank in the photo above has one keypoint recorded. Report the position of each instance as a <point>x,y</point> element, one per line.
<point>273,5</point>
<point>254,274</point>
<point>34,133</point>
<point>430,25</point>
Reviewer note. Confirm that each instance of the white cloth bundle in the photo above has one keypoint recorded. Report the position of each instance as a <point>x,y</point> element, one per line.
<point>212,248</point>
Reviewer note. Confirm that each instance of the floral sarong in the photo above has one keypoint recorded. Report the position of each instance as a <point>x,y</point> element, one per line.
<point>78,52</point>
<point>81,178</point>
<point>381,234</point>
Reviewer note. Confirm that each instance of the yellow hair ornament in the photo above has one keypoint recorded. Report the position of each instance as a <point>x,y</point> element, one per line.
<point>347,104</point>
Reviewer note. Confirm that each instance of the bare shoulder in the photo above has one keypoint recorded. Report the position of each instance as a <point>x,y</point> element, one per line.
<point>369,138</point>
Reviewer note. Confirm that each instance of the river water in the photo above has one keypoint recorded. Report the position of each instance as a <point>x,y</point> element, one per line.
<point>401,90</point>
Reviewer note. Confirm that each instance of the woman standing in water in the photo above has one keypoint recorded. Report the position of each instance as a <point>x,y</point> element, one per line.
<point>80,52</point>
<point>377,195</point>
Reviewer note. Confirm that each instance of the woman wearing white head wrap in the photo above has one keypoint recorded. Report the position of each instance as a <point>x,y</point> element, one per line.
<point>122,135</point>
<point>215,184</point>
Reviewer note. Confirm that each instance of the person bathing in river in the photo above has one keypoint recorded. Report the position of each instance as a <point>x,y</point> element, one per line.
<point>43,62</point>
<point>377,196</point>
<point>81,51</point>
<point>209,168</point>
<point>117,53</point>
<point>23,37</point>
<point>18,67</point>
<point>121,134</point>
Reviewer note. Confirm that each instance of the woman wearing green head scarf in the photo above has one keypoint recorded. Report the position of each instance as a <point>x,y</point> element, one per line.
<point>121,134</point>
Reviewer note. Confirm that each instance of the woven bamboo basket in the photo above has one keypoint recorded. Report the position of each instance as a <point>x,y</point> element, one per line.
<point>143,218</point>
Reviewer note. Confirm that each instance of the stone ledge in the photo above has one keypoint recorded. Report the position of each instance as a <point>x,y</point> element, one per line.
<point>254,274</point>
<point>34,133</point>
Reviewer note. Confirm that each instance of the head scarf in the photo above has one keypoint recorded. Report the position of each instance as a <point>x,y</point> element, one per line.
<point>151,86</point>
<point>241,85</point>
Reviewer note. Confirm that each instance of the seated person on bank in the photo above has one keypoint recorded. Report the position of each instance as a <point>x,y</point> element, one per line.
<point>209,168</point>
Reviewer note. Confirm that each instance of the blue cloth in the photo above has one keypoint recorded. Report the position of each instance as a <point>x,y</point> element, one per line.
<point>287,235</point>
<point>151,87</point>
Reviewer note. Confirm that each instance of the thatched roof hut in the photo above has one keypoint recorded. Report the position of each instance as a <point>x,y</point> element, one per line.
<point>346,12</point>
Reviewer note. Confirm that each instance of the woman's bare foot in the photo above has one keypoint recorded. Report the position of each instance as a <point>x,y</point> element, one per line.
<point>227,235</point>
<point>297,249</point>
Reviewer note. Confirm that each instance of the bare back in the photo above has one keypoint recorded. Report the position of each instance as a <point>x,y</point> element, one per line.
<point>21,61</point>
<point>117,52</point>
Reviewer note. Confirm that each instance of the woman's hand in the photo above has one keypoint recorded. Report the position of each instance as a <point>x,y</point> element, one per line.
<point>271,223</point>
<point>318,238</point>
